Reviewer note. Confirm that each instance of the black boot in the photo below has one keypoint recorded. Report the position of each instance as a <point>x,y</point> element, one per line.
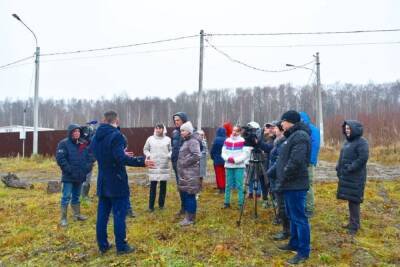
<point>76,209</point>
<point>63,221</point>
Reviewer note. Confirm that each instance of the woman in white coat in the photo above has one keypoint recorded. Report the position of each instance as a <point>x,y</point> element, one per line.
<point>158,149</point>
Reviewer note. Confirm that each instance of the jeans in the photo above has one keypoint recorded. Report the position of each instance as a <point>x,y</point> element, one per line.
<point>70,192</point>
<point>174,166</point>
<point>251,187</point>
<point>119,209</point>
<point>189,202</point>
<point>295,202</point>
<point>234,176</point>
<point>153,194</point>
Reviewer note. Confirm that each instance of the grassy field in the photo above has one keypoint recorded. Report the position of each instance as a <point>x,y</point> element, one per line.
<point>30,235</point>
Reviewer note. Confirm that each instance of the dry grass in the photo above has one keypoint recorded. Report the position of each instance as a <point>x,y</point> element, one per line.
<point>385,155</point>
<point>30,235</point>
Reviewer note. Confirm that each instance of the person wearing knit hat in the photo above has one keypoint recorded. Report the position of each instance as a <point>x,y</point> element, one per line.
<point>189,178</point>
<point>291,116</point>
<point>292,179</point>
<point>187,126</point>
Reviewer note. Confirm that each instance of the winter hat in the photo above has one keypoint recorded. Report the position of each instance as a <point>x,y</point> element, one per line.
<point>291,116</point>
<point>228,128</point>
<point>187,126</point>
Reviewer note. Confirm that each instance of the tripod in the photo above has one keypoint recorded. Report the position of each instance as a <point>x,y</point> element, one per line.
<point>254,170</point>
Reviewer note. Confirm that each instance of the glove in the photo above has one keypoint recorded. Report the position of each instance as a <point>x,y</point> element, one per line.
<point>231,160</point>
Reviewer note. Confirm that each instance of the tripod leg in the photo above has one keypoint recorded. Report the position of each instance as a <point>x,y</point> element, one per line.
<point>246,183</point>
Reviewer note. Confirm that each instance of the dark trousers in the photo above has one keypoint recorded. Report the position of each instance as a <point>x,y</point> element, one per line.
<point>281,212</point>
<point>118,205</point>
<point>177,183</point>
<point>190,202</point>
<point>153,194</point>
<point>354,219</point>
<point>264,187</point>
<point>295,202</point>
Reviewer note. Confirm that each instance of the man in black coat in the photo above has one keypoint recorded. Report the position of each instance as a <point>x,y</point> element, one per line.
<point>352,171</point>
<point>76,162</point>
<point>292,180</point>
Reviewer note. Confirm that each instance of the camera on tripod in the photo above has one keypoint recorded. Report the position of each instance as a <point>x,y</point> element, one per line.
<point>88,130</point>
<point>252,134</point>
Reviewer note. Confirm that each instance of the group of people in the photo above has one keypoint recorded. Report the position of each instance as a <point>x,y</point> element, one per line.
<point>290,147</point>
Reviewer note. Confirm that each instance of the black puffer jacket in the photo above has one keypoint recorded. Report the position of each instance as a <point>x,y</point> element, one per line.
<point>293,160</point>
<point>352,164</point>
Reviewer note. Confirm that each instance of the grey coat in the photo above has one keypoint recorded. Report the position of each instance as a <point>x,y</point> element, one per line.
<point>189,166</point>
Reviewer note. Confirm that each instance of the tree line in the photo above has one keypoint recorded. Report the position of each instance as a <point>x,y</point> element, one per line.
<point>375,105</point>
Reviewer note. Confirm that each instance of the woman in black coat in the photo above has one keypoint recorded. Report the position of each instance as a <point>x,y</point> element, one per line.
<point>352,171</point>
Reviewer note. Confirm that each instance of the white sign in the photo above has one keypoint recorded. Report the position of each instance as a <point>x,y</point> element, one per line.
<point>22,134</point>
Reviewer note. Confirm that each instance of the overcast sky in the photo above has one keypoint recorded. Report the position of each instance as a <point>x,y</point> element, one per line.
<point>166,69</point>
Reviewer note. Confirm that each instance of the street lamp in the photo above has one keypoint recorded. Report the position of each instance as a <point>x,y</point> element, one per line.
<point>36,95</point>
<point>320,121</point>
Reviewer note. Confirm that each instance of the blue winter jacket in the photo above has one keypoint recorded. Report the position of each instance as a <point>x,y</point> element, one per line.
<point>315,138</point>
<point>74,158</point>
<point>217,145</point>
<point>108,146</point>
<point>176,137</point>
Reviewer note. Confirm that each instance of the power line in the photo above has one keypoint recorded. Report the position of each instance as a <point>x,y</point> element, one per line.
<point>122,54</point>
<point>311,45</point>
<point>16,62</point>
<point>252,67</point>
<point>303,33</point>
<point>119,46</point>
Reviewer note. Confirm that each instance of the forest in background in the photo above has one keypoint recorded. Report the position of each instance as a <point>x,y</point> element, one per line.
<point>375,105</point>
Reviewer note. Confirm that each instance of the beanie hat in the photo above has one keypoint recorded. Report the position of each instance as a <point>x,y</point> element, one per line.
<point>228,128</point>
<point>291,116</point>
<point>187,126</point>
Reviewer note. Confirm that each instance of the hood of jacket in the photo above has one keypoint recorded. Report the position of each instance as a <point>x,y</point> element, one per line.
<point>104,130</point>
<point>72,127</point>
<point>356,129</point>
<point>182,115</point>
<point>221,132</point>
<point>305,118</point>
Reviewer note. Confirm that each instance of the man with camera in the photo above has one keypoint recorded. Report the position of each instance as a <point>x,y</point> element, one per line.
<point>292,180</point>
<point>108,146</point>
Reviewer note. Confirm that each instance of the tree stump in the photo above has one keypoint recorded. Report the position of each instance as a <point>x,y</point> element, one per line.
<point>53,187</point>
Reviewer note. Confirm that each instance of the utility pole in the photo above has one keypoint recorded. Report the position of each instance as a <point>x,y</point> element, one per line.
<point>23,133</point>
<point>36,95</point>
<point>36,105</point>
<point>200,95</point>
<point>320,120</point>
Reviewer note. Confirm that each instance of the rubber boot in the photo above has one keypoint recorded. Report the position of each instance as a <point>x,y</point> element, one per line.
<point>188,220</point>
<point>76,209</point>
<point>63,221</point>
<point>85,190</point>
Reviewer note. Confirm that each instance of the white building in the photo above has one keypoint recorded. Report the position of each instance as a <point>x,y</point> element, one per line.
<point>20,128</point>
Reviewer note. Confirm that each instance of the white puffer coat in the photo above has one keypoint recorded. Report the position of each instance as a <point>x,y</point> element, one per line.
<point>158,149</point>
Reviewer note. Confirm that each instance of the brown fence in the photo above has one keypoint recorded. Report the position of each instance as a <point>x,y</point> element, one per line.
<point>11,145</point>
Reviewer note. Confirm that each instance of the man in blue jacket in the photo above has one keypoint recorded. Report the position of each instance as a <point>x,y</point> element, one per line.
<point>76,162</point>
<point>108,146</point>
<point>315,146</point>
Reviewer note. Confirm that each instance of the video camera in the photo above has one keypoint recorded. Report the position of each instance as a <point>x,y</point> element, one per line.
<point>252,134</point>
<point>88,130</point>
